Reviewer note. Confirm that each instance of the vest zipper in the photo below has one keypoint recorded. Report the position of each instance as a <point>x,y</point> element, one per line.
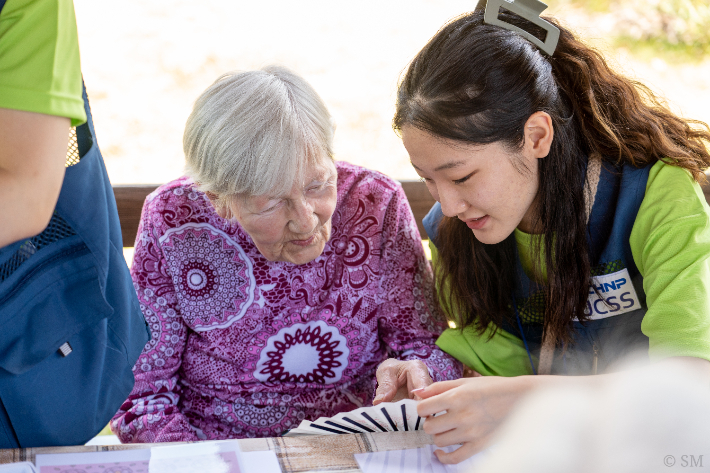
<point>595,359</point>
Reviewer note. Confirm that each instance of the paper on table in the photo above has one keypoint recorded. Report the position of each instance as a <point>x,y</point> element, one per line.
<point>205,457</point>
<point>19,467</point>
<point>418,460</point>
<point>126,461</point>
<point>263,461</point>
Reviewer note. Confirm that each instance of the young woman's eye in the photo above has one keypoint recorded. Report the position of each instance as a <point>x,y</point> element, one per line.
<point>463,179</point>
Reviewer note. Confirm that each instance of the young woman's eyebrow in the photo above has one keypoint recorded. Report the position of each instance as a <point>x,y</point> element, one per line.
<point>449,165</point>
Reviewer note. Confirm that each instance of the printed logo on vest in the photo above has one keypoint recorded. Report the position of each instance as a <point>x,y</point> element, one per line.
<point>618,295</point>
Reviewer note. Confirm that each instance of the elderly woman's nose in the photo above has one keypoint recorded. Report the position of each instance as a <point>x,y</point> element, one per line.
<point>303,217</point>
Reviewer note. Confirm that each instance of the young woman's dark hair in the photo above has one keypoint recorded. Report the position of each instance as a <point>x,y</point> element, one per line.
<point>478,83</point>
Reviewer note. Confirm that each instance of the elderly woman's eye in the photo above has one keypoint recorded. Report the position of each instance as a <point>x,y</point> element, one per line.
<point>317,187</point>
<point>270,208</point>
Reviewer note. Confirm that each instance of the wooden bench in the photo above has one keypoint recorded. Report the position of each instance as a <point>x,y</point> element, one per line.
<point>129,199</point>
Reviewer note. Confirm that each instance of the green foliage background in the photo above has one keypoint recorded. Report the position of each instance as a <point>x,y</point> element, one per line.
<point>678,30</point>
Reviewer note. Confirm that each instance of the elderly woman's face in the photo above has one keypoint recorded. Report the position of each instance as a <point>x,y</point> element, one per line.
<point>295,227</point>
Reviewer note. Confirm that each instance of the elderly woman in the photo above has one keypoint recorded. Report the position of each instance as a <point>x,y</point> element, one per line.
<point>274,280</point>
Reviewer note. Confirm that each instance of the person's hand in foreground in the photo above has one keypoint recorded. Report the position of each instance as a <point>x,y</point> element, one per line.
<point>475,407</point>
<point>397,379</point>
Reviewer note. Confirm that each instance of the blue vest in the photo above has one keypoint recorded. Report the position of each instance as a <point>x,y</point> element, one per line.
<point>616,302</point>
<point>71,327</point>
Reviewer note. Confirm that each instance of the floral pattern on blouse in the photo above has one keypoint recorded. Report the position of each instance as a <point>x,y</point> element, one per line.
<point>246,347</point>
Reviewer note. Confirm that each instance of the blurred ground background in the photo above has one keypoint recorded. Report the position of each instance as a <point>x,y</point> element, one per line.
<point>145,62</point>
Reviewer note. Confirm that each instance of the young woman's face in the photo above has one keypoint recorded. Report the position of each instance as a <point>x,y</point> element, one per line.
<point>294,227</point>
<point>488,187</point>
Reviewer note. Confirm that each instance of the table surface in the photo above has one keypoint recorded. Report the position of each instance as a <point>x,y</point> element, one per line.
<point>295,454</point>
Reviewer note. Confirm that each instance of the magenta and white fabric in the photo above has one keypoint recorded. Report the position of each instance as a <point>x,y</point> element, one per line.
<point>245,347</point>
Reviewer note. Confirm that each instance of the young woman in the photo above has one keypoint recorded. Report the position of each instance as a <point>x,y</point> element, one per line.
<point>570,231</point>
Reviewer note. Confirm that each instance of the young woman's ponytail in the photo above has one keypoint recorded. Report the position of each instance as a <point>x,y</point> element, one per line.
<point>621,119</point>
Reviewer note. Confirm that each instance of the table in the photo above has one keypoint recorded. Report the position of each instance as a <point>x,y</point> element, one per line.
<point>295,454</point>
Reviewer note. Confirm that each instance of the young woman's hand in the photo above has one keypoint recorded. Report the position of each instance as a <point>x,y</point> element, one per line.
<point>474,407</point>
<point>396,380</point>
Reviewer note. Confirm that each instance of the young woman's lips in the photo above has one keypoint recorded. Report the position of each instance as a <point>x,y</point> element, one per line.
<point>477,223</point>
<point>305,242</point>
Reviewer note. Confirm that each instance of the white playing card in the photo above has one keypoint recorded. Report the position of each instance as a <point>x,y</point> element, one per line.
<point>374,415</point>
<point>331,423</point>
<point>305,428</point>
<point>354,420</point>
<point>398,416</point>
<point>391,414</point>
<point>408,412</point>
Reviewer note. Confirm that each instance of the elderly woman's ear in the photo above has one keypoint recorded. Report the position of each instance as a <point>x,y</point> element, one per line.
<point>220,206</point>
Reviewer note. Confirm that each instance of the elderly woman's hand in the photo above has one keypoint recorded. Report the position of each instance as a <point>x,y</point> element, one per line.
<point>397,379</point>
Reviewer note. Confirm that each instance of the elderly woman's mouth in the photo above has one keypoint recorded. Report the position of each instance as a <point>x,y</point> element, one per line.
<point>307,242</point>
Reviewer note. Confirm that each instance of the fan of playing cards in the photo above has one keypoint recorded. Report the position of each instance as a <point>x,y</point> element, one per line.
<point>384,417</point>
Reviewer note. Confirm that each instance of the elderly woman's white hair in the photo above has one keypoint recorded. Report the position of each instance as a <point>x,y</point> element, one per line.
<point>255,132</point>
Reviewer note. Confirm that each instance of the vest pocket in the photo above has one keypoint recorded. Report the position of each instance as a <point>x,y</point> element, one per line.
<point>68,400</point>
<point>51,297</point>
<point>54,300</point>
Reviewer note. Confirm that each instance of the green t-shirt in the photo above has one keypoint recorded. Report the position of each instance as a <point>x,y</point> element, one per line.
<point>40,70</point>
<point>670,244</point>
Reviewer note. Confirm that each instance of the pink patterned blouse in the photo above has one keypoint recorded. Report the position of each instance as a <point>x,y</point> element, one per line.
<point>246,347</point>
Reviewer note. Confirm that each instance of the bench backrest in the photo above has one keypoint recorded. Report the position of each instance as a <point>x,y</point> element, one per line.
<point>129,199</point>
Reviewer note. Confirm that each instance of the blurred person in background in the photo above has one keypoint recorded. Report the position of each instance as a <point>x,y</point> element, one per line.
<point>70,320</point>
<point>275,280</point>
<point>650,420</point>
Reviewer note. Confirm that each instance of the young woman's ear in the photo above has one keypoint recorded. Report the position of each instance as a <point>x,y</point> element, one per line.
<point>538,135</point>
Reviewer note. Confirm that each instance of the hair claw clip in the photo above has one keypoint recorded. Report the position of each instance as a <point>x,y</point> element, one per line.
<point>530,10</point>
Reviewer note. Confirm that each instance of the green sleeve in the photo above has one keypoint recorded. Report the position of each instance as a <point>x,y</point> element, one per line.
<point>670,243</point>
<point>40,70</point>
<point>502,354</point>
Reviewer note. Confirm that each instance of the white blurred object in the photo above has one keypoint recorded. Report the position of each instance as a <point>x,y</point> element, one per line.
<point>21,467</point>
<point>104,440</point>
<point>648,421</point>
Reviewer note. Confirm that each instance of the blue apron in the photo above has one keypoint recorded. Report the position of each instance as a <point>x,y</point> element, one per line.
<point>71,328</point>
<point>617,302</point>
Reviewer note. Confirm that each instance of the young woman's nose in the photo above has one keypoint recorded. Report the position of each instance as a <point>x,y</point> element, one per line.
<point>303,218</point>
<point>452,204</point>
